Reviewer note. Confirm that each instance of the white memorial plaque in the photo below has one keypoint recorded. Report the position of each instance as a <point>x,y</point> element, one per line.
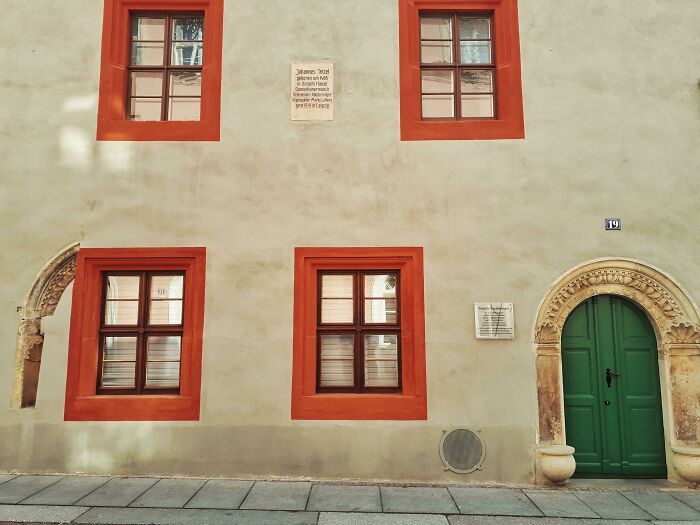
<point>312,91</point>
<point>494,320</point>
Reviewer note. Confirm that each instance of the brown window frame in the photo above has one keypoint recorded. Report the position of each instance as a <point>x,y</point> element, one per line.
<point>167,68</point>
<point>141,330</point>
<point>456,66</point>
<point>358,328</point>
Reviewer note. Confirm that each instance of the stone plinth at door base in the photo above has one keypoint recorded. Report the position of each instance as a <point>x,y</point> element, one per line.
<point>555,464</point>
<point>686,462</point>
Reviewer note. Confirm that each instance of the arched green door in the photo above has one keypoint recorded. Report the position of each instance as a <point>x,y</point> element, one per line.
<point>612,397</point>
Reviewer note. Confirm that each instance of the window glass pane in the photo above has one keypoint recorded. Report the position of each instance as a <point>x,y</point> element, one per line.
<point>337,311</point>
<point>147,54</point>
<point>436,27</point>
<point>145,109</point>
<point>187,54</point>
<point>474,28</point>
<point>437,81</point>
<point>165,312</point>
<point>167,286</point>
<point>186,84</point>
<point>119,349</point>
<point>188,28</point>
<point>164,348</point>
<point>380,311</point>
<point>163,375</point>
<point>116,374</point>
<point>476,80</point>
<point>381,360</point>
<point>148,29</point>
<point>379,286</point>
<point>123,286</point>
<point>184,109</point>
<point>475,52</point>
<point>337,286</point>
<point>337,353</point>
<point>435,106</point>
<point>477,106</point>
<point>122,305</point>
<point>436,52</point>
<point>146,84</point>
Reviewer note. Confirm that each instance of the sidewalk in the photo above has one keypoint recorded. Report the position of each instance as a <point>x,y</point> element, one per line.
<point>184,501</point>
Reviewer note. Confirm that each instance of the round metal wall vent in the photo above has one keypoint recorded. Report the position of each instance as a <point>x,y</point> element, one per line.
<point>462,451</point>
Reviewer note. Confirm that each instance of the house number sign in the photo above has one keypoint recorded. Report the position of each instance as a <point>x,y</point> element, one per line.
<point>494,320</point>
<point>613,224</point>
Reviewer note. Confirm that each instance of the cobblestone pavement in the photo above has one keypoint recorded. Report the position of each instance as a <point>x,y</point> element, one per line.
<point>183,501</point>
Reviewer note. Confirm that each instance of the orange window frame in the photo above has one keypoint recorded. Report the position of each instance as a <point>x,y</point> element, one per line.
<point>112,123</point>
<point>82,401</point>
<point>508,122</point>
<point>307,402</point>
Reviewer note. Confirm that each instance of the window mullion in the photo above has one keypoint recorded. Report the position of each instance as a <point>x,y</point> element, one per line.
<point>456,59</point>
<point>167,54</point>
<point>141,339</point>
<point>359,380</point>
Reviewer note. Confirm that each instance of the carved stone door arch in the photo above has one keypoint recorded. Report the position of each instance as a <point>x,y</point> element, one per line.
<point>42,300</point>
<point>676,322</point>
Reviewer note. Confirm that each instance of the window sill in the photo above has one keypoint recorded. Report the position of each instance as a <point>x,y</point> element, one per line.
<point>462,129</point>
<point>132,408</point>
<point>126,130</point>
<point>356,407</point>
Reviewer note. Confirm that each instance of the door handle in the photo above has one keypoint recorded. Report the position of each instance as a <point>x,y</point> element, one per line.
<point>609,375</point>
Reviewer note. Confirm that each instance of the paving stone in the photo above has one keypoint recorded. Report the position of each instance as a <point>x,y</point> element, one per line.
<point>661,505</point>
<point>220,494</point>
<point>344,498</point>
<point>689,498</point>
<point>510,520</point>
<point>22,487</point>
<point>6,477</point>
<point>134,516</point>
<point>351,518</point>
<point>505,502</point>
<point>560,504</point>
<point>684,522</point>
<point>39,513</point>
<point>277,495</point>
<point>67,491</point>
<point>118,492</point>
<point>612,505</point>
<point>169,493</point>
<point>428,500</point>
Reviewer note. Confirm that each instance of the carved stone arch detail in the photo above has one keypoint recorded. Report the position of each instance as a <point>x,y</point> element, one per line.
<point>676,322</point>
<point>42,300</point>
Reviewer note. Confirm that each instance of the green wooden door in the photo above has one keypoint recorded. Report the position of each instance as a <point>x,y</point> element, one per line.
<point>616,428</point>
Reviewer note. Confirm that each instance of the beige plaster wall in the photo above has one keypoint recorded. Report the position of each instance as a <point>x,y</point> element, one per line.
<point>611,108</point>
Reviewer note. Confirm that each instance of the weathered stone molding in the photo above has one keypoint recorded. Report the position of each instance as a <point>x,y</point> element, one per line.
<point>676,322</point>
<point>42,300</point>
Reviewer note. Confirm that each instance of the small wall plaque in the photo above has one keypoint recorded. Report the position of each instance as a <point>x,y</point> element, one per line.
<point>494,320</point>
<point>312,91</point>
<point>613,224</point>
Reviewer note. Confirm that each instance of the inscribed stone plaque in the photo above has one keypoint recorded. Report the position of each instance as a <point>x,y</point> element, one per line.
<point>312,91</point>
<point>494,320</point>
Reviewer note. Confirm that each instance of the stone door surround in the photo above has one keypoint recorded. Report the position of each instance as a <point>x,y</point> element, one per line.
<point>676,322</point>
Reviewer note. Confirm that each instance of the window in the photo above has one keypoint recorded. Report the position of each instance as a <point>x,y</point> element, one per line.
<point>359,344</point>
<point>141,333</point>
<point>161,70</point>
<point>460,70</point>
<point>165,66</point>
<point>359,332</point>
<point>136,335</point>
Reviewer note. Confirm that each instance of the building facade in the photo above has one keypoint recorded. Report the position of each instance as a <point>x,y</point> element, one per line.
<point>209,272</point>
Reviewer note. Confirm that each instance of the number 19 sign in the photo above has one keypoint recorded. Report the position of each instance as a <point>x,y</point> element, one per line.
<point>613,224</point>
